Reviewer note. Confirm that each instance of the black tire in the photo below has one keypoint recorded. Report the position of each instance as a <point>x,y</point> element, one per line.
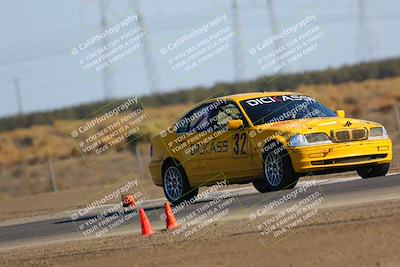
<point>285,177</point>
<point>373,171</point>
<point>170,185</point>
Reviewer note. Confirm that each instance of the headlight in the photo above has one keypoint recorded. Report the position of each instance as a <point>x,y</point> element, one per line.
<point>312,139</point>
<point>298,140</point>
<point>378,133</point>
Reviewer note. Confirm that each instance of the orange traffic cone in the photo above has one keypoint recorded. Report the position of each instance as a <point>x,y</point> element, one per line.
<point>170,217</point>
<point>147,229</point>
<point>129,200</point>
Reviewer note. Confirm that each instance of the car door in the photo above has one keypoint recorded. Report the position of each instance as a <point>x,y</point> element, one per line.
<point>190,136</point>
<point>231,149</point>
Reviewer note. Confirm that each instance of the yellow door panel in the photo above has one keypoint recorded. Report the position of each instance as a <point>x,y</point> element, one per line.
<point>235,160</point>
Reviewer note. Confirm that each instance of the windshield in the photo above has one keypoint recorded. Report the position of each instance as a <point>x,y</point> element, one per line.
<point>281,108</point>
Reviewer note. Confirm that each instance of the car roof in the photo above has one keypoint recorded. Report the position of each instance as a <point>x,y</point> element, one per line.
<point>244,96</point>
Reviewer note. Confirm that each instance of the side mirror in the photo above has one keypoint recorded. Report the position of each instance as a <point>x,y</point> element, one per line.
<point>235,124</point>
<point>340,113</point>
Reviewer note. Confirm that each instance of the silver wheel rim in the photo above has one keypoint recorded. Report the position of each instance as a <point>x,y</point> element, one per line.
<point>173,183</point>
<point>273,168</point>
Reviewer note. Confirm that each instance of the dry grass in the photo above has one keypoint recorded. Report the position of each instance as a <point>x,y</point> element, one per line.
<point>36,144</point>
<point>73,173</point>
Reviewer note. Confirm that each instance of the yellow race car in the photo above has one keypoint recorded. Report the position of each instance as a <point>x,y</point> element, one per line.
<point>269,138</point>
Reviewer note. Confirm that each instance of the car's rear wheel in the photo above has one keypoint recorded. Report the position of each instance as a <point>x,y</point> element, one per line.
<point>278,171</point>
<point>373,171</point>
<point>176,185</point>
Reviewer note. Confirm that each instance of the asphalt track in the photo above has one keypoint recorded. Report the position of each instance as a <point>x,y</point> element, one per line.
<point>240,203</point>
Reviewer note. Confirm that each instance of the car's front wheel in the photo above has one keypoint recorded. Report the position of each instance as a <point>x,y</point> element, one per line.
<point>176,185</point>
<point>278,172</point>
<point>373,171</point>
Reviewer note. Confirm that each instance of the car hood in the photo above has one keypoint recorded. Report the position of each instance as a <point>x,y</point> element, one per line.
<point>317,125</point>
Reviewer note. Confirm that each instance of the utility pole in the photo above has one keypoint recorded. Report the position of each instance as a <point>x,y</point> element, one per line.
<point>51,175</point>
<point>108,85</point>
<point>150,67</point>
<point>139,160</point>
<point>237,49</point>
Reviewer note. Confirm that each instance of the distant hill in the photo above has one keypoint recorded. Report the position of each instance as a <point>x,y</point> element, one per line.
<point>359,72</point>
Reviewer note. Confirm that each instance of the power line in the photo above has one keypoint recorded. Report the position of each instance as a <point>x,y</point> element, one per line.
<point>65,51</point>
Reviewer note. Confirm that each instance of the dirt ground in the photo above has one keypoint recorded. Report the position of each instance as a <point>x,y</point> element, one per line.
<point>123,165</point>
<point>358,235</point>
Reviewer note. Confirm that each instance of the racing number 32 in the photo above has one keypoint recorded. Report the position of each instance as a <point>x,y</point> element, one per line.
<point>240,145</point>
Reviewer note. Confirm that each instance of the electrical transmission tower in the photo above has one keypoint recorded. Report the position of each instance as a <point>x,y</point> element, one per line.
<point>273,23</point>
<point>150,67</point>
<point>108,84</point>
<point>19,102</point>
<point>18,96</point>
<point>239,66</point>
<point>366,41</point>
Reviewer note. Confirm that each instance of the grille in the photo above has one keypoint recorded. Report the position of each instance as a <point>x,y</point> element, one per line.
<point>349,135</point>
<point>359,134</point>
<point>342,136</point>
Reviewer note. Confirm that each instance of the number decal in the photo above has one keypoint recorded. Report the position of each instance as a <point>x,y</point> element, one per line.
<point>240,145</point>
<point>243,137</point>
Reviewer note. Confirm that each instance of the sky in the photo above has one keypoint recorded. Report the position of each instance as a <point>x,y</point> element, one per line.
<point>37,38</point>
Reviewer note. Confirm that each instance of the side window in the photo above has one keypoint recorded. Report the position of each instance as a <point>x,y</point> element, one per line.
<point>182,125</point>
<point>227,113</point>
<point>195,121</point>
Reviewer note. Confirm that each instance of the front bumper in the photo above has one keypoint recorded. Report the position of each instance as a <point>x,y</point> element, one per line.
<point>341,155</point>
